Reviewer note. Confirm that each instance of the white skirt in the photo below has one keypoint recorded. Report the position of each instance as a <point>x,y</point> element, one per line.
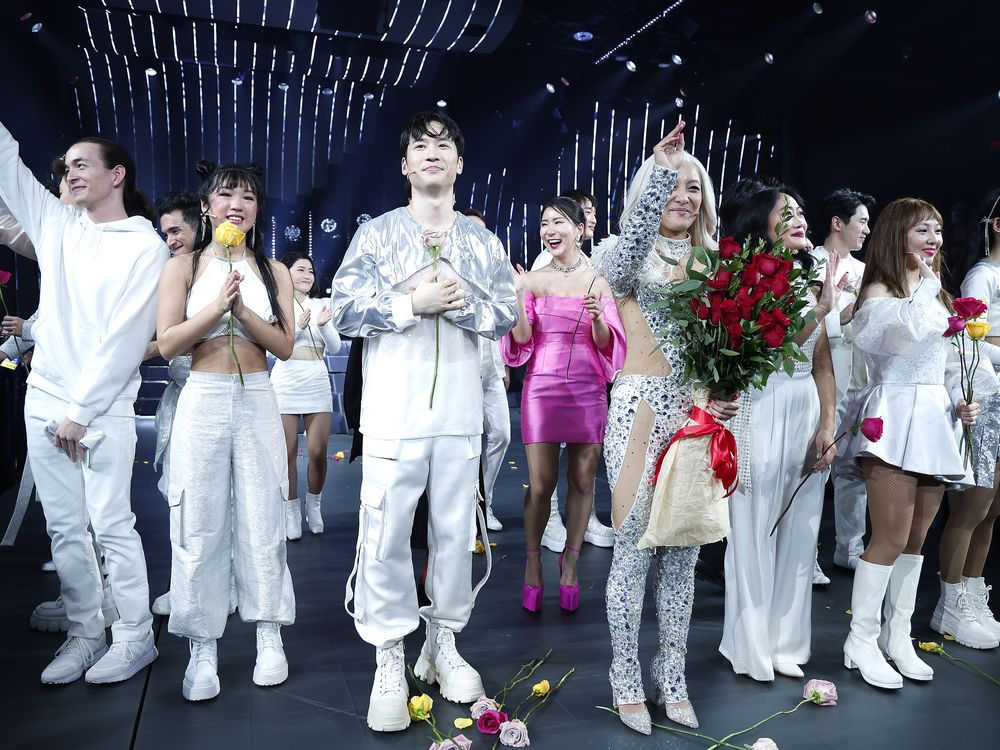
<point>302,386</point>
<point>921,434</point>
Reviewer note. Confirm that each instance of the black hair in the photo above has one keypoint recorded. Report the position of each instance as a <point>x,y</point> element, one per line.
<point>579,196</point>
<point>747,210</point>
<point>113,155</point>
<point>421,124</point>
<point>294,256</point>
<point>568,208</point>
<point>249,177</point>
<point>474,212</point>
<point>183,201</point>
<point>58,167</point>
<point>52,187</point>
<point>842,203</point>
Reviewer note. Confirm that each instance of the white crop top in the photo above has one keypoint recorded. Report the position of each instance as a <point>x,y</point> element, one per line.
<point>206,288</point>
<point>315,336</point>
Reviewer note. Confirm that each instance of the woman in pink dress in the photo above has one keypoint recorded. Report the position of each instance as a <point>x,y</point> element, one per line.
<point>569,334</point>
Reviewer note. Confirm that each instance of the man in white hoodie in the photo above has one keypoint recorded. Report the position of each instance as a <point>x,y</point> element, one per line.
<point>100,264</point>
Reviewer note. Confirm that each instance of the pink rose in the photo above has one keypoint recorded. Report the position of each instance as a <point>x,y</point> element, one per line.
<point>871,428</point>
<point>764,743</point>
<point>514,734</point>
<point>481,706</point>
<point>4,277</point>
<point>458,742</point>
<point>821,692</point>
<point>489,721</point>
<point>956,324</point>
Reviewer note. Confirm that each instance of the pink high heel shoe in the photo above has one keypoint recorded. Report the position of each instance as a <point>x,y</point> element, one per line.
<point>569,596</point>
<point>531,596</point>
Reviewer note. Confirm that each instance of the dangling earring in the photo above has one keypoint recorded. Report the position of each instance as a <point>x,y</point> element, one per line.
<point>204,224</point>
<point>250,236</point>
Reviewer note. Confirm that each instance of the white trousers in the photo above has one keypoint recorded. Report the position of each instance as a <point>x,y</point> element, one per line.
<point>97,489</point>
<point>769,578</point>
<point>394,475</point>
<point>850,500</point>
<point>496,433</point>
<point>227,442</point>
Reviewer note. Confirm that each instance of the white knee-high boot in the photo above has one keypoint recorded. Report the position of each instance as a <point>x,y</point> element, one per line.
<point>900,601</point>
<point>861,648</point>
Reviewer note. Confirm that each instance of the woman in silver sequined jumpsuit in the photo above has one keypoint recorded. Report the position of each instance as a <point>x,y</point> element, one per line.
<point>670,203</point>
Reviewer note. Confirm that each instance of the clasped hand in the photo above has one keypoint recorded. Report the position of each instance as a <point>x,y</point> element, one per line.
<point>431,296</point>
<point>229,296</point>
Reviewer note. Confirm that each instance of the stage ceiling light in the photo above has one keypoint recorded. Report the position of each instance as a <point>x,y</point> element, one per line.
<point>817,9</point>
<point>26,16</point>
<point>369,96</point>
<point>150,72</point>
<point>442,103</point>
<point>283,86</point>
<point>677,59</point>
<point>679,102</point>
<point>327,91</point>
<point>768,58</point>
<point>583,36</point>
<point>564,81</point>
<point>631,66</point>
<point>37,27</point>
<point>871,16</point>
<point>663,65</point>
<point>550,88</point>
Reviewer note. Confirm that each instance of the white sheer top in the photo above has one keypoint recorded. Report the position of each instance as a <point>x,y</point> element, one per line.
<point>206,288</point>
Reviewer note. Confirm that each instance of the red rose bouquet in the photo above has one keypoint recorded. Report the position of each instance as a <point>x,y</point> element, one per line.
<point>736,317</point>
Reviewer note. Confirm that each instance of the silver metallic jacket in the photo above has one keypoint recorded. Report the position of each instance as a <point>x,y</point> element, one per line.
<point>389,250</point>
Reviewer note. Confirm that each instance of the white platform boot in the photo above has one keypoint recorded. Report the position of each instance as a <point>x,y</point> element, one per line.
<point>387,711</point>
<point>957,615</point>
<point>314,514</point>
<point>440,662</point>
<point>861,648</point>
<point>900,601</point>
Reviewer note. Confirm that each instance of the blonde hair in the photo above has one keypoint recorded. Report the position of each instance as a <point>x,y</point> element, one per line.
<point>705,224</point>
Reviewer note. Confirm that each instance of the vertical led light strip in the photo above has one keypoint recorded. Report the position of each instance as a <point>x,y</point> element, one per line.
<point>93,86</point>
<point>420,69</point>
<point>284,128</point>
<point>725,158</point>
<point>402,66</point>
<point>524,229</point>
<point>510,223</point>
<point>593,154</point>
<point>291,12</point>
<point>444,18</point>
<point>201,91</point>
<point>298,130</point>
<point>319,91</point>
<point>611,148</point>
<point>559,172</point>
<point>472,11</point>
<point>488,28</point>
<point>503,179</point>
<point>274,238</point>
<point>708,160</point>
<point>694,134</point>
<point>576,160</point>
<point>628,136</point>
<point>392,20</point>
<point>420,14</point>
<point>312,56</point>
<point>333,110</point>
<point>347,115</point>
<point>756,161</point>
<point>310,234</point>
<point>472,197</point>
<point>114,99</point>
<point>739,167</point>
<point>645,130</point>
<point>267,125</point>
<point>218,96</point>
<point>184,117</point>
<point>364,109</point>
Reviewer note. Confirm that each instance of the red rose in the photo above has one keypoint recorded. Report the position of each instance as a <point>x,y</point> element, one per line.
<point>489,721</point>
<point>969,307</point>
<point>784,267</point>
<point>744,303</point>
<point>725,312</point>
<point>779,286</point>
<point>781,319</point>
<point>768,265</point>
<point>871,427</point>
<point>735,332</point>
<point>764,319</point>
<point>4,277</point>
<point>720,281</point>
<point>956,324</point>
<point>750,276</point>
<point>757,294</point>
<point>774,336</point>
<point>729,247</point>
<point>700,309</point>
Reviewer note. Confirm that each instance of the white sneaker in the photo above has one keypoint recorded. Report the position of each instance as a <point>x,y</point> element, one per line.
<point>314,513</point>
<point>597,533</point>
<point>440,662</point>
<point>492,522</point>
<point>74,658</point>
<point>161,604</point>
<point>123,660</point>
<point>956,615</point>
<point>50,617</point>
<point>293,519</point>
<point>980,594</point>
<point>387,710</point>
<point>819,577</point>
<point>554,536</point>
<point>272,666</point>
<point>846,560</point>
<point>201,678</point>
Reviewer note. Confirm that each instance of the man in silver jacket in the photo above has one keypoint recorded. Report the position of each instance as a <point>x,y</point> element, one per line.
<point>421,283</point>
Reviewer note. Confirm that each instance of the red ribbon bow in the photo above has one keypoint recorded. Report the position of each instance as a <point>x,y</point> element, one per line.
<point>723,447</point>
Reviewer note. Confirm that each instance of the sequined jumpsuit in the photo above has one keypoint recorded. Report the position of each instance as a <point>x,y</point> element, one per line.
<point>628,267</point>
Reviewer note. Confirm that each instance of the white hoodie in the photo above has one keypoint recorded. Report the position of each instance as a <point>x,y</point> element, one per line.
<point>97,307</point>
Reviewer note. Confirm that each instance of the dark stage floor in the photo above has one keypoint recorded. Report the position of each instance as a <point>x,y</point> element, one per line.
<point>324,701</point>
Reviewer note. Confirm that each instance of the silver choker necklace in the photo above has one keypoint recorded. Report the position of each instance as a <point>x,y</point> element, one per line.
<point>567,269</point>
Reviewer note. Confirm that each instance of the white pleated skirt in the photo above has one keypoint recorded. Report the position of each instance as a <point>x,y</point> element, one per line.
<point>302,386</point>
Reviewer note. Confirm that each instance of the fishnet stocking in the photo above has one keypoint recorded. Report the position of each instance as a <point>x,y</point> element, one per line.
<point>968,511</point>
<point>902,506</point>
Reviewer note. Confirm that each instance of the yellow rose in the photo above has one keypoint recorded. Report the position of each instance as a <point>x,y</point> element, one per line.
<point>339,455</point>
<point>977,329</point>
<point>930,647</point>
<point>541,689</point>
<point>463,723</point>
<point>229,234</point>
<point>420,707</point>
<point>480,549</point>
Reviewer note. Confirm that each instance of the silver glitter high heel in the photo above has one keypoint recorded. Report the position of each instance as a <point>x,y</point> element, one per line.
<point>684,715</point>
<point>637,720</point>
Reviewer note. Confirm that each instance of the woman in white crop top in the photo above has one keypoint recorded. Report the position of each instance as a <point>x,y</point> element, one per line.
<point>302,385</point>
<point>227,439</point>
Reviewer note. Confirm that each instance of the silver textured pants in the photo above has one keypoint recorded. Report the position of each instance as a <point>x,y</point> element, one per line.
<point>95,489</point>
<point>395,474</point>
<point>227,441</point>
<point>674,576</point>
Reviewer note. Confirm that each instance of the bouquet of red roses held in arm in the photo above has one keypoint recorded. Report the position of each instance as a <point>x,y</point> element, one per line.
<point>737,315</point>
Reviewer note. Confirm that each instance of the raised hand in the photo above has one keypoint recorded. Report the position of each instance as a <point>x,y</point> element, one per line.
<point>304,318</point>
<point>520,276</point>
<point>592,304</point>
<point>229,294</point>
<point>323,316</point>
<point>669,152</point>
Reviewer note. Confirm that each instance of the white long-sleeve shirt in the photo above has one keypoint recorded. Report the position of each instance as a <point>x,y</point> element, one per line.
<point>97,307</point>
